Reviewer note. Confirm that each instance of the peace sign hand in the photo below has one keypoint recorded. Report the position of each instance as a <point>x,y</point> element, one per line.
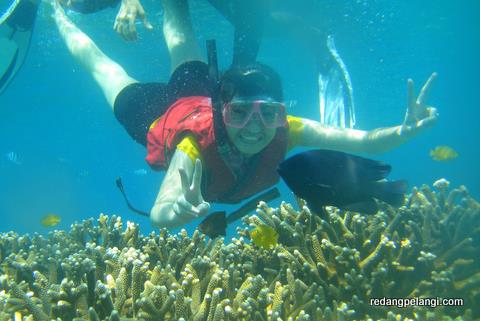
<point>419,115</point>
<point>190,203</point>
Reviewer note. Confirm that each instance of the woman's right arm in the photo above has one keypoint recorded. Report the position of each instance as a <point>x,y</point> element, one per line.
<point>179,199</point>
<point>109,75</point>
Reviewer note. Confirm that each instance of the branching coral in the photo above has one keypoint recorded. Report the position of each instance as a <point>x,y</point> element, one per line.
<point>324,267</point>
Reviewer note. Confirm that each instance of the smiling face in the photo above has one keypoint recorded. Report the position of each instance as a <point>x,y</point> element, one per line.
<point>251,138</point>
<point>252,96</point>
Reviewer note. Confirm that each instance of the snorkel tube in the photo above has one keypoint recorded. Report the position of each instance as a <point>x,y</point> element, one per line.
<point>223,146</point>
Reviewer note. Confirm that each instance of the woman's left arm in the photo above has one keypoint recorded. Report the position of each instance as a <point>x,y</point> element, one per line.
<point>419,116</point>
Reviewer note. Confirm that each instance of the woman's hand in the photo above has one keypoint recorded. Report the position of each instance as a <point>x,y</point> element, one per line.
<point>190,203</point>
<point>419,115</point>
<point>130,11</point>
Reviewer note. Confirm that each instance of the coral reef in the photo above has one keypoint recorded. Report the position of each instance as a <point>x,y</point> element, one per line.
<point>325,266</point>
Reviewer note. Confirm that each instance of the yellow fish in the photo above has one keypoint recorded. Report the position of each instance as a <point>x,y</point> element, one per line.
<point>264,236</point>
<point>443,154</point>
<point>50,220</point>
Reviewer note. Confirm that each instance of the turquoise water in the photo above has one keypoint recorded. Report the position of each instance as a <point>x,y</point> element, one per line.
<point>70,148</point>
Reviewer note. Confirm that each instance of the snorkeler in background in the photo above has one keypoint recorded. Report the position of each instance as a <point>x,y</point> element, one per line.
<point>252,20</point>
<point>247,16</point>
<point>129,12</point>
<point>255,19</point>
<point>227,152</point>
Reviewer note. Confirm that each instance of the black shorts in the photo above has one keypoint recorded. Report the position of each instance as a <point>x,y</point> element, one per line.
<point>138,105</point>
<point>89,6</point>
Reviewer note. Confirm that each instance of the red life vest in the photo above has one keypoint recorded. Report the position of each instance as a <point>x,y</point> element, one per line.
<point>194,116</point>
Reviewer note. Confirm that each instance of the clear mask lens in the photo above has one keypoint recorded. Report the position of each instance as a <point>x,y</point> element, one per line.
<point>238,113</point>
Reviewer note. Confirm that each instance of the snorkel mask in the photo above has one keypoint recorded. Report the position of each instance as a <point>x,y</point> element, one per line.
<point>238,112</point>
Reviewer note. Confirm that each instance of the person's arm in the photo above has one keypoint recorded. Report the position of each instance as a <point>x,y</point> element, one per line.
<point>129,12</point>
<point>418,117</point>
<point>109,75</point>
<point>179,199</point>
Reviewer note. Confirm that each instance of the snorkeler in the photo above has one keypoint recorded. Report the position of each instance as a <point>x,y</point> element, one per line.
<point>16,26</point>
<point>251,20</point>
<point>130,11</point>
<point>229,151</point>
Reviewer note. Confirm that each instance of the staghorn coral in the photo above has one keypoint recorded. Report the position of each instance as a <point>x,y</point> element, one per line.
<point>324,267</point>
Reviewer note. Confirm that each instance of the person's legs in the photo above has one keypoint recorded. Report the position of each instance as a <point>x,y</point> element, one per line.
<point>248,18</point>
<point>178,33</point>
<point>109,75</point>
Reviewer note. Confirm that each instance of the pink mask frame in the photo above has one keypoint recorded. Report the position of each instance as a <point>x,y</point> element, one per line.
<point>279,121</point>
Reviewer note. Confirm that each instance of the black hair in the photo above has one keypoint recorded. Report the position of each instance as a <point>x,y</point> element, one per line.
<point>254,79</point>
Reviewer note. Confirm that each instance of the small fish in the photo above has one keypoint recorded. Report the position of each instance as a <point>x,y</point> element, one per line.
<point>140,172</point>
<point>216,223</point>
<point>325,177</point>
<point>443,154</point>
<point>50,220</point>
<point>14,158</point>
<point>264,236</point>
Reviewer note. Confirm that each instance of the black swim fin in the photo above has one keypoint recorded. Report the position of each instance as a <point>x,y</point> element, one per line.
<point>216,223</point>
<point>16,25</point>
